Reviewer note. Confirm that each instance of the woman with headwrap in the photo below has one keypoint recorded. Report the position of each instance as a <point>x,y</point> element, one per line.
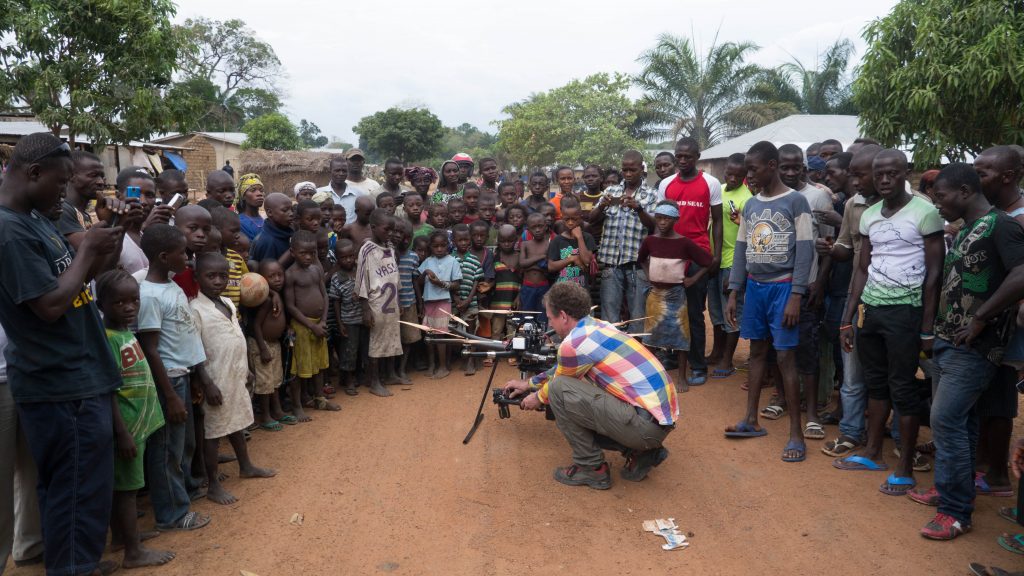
<point>422,179</point>
<point>250,200</point>
<point>448,186</point>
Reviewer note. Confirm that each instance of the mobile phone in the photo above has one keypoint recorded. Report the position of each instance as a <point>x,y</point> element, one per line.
<point>133,192</point>
<point>732,207</point>
<point>176,201</point>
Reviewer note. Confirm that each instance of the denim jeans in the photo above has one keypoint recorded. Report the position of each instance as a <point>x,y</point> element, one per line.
<point>964,374</point>
<point>20,532</point>
<point>165,475</point>
<point>72,443</point>
<point>629,283</point>
<point>854,393</point>
<point>696,300</point>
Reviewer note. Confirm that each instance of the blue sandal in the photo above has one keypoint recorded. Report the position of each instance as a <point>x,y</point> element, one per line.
<point>744,429</point>
<point>698,379</point>
<point>858,462</point>
<point>799,447</point>
<point>897,485</point>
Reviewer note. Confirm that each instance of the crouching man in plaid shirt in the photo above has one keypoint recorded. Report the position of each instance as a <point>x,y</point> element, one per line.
<point>607,392</point>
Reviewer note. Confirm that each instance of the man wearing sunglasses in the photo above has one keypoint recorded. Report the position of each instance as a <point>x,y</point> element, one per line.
<point>61,371</point>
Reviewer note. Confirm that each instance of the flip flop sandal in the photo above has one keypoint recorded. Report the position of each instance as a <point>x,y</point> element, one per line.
<point>799,447</point>
<point>744,429</point>
<point>323,404</point>
<point>351,391</point>
<point>839,447</point>
<point>772,412</point>
<point>698,379</point>
<point>719,374</point>
<point>288,420</point>
<point>1008,514</point>
<point>982,570</point>
<point>920,462</point>
<point>328,390</point>
<point>272,426</point>
<point>897,485</point>
<point>829,419</point>
<point>190,521</point>
<point>814,431</point>
<point>981,488</point>
<point>1014,543</point>
<point>927,447</point>
<point>858,462</point>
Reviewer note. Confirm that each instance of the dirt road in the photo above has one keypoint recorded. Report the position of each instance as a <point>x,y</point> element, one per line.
<point>386,486</point>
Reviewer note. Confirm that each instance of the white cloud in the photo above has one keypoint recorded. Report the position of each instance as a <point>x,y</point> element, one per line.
<point>346,60</point>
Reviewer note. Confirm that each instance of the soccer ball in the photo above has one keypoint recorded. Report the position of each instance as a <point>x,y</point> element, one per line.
<point>254,290</point>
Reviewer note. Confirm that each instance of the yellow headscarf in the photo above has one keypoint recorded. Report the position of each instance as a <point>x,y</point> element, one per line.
<point>246,182</point>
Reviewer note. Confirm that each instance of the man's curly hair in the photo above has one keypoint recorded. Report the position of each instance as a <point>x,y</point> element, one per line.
<point>571,298</point>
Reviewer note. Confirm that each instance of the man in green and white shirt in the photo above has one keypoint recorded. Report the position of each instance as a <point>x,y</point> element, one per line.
<point>897,278</point>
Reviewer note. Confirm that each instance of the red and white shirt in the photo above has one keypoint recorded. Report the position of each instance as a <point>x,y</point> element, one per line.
<point>694,199</point>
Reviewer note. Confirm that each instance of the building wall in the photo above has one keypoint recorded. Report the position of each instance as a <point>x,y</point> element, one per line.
<point>201,158</point>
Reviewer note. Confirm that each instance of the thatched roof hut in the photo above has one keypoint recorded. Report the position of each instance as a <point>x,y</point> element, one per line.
<point>280,171</point>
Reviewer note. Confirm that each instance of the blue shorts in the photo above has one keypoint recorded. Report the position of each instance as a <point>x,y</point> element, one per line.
<point>763,308</point>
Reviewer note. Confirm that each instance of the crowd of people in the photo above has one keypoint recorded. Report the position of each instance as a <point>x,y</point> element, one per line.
<point>132,351</point>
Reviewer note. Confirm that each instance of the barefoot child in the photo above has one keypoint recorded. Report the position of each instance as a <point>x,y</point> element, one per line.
<point>136,412</point>
<point>305,300</point>
<point>377,287</point>
<point>386,201</point>
<point>507,279</point>
<point>267,326</point>
<point>478,232</point>
<point>516,216</point>
<point>347,314</point>
<point>466,306</point>
<point>665,257</point>
<point>471,196</point>
<point>439,279</point>
<point>228,410</point>
<point>533,261</point>
<point>408,262</point>
<point>359,231</point>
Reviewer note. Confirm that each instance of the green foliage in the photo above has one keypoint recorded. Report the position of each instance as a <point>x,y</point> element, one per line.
<point>589,120</point>
<point>99,68</point>
<point>310,135</point>
<point>271,132</point>
<point>336,144</point>
<point>822,89</point>
<point>694,95</point>
<point>229,76</point>
<point>944,77</point>
<point>409,134</point>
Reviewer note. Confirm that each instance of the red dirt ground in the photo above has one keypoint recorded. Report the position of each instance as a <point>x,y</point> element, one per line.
<point>386,486</point>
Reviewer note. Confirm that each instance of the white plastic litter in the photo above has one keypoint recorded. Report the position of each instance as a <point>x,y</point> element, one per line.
<point>668,530</point>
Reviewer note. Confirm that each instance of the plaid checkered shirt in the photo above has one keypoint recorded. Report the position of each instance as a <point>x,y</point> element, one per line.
<point>617,363</point>
<point>623,232</point>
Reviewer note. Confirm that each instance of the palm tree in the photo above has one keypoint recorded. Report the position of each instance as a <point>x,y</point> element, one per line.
<point>686,94</point>
<point>822,89</point>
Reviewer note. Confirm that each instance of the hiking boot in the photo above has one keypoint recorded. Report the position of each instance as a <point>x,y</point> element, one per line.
<point>639,464</point>
<point>597,478</point>
<point>944,527</point>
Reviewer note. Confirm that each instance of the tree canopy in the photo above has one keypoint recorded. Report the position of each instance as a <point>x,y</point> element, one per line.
<point>944,77</point>
<point>587,120</point>
<point>310,134</point>
<point>98,68</point>
<point>271,132</point>
<point>230,75</point>
<point>410,134</point>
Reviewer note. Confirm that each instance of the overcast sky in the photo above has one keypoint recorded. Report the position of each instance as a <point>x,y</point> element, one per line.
<point>348,59</point>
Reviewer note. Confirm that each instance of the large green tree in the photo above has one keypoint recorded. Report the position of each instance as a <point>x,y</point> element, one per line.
<point>589,120</point>
<point>310,134</point>
<point>271,132</point>
<point>98,68</point>
<point>944,77</point>
<point>230,74</point>
<point>410,134</point>
<point>702,96</point>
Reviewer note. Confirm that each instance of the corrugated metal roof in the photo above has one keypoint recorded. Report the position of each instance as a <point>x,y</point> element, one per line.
<point>236,138</point>
<point>26,127</point>
<point>800,129</point>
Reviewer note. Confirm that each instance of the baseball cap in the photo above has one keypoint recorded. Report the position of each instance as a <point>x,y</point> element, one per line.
<point>815,163</point>
<point>353,152</point>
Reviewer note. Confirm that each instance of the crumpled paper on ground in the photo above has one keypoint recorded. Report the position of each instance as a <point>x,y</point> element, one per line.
<point>668,530</point>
